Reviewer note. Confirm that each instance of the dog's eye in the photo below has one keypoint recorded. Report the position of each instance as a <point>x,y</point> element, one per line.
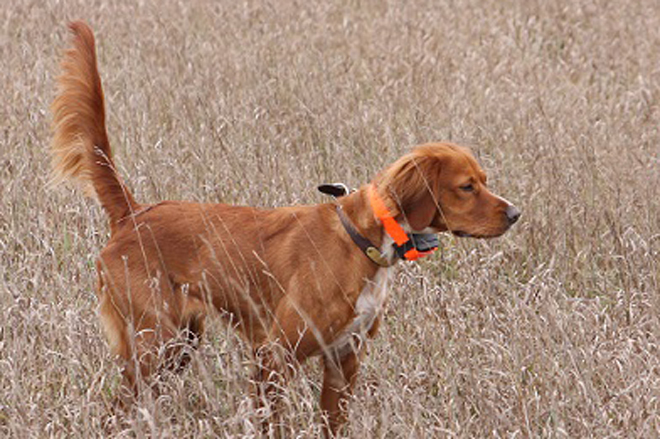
<point>467,187</point>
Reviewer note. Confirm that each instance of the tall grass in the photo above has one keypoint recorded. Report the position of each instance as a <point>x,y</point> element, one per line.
<point>550,331</point>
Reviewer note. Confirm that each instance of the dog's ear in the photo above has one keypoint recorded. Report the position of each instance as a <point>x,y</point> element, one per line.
<point>413,185</point>
<point>420,214</point>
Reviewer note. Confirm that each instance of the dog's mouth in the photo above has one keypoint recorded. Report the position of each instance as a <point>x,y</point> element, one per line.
<point>462,234</point>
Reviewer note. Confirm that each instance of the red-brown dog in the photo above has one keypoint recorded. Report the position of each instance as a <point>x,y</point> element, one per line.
<point>309,280</point>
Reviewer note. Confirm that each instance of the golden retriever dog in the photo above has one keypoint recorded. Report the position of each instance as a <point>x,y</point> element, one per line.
<point>297,282</point>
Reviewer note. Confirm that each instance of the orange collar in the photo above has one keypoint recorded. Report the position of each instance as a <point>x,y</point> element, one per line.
<point>392,227</point>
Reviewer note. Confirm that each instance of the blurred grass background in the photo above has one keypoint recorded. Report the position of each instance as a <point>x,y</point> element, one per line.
<point>550,331</point>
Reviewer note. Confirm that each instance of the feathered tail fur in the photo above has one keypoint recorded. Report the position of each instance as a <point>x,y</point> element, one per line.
<point>80,147</point>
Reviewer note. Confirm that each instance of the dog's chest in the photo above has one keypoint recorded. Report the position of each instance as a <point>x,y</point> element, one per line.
<point>369,306</point>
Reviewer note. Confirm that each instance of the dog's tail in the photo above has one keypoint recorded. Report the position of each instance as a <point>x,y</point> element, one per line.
<point>80,147</point>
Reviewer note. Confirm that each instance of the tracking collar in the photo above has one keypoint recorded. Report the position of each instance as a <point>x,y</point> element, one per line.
<point>407,246</point>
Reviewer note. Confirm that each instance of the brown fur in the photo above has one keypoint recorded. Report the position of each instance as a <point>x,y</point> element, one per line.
<point>80,145</point>
<point>288,278</point>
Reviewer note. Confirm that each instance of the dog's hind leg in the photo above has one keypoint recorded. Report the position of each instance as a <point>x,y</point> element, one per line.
<point>142,345</point>
<point>191,324</point>
<point>116,333</point>
<point>148,325</point>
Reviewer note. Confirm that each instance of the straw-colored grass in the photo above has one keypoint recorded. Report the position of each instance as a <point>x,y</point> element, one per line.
<point>551,331</point>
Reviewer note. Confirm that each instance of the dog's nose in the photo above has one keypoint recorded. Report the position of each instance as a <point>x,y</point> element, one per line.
<point>512,214</point>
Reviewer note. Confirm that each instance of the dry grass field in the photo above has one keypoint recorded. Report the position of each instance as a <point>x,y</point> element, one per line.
<point>550,331</point>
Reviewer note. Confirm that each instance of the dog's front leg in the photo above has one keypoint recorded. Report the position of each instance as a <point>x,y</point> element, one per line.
<point>339,376</point>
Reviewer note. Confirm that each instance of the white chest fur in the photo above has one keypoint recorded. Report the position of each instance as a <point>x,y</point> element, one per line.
<point>369,306</point>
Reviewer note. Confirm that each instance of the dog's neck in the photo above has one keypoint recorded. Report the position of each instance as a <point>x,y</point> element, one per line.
<point>357,207</point>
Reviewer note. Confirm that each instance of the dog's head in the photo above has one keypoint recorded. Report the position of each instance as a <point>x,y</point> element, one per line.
<point>441,187</point>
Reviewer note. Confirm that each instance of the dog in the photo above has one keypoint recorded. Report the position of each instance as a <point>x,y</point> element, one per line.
<point>297,282</point>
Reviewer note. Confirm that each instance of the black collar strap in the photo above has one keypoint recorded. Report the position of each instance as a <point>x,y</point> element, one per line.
<point>415,244</point>
<point>367,247</point>
<point>423,242</point>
